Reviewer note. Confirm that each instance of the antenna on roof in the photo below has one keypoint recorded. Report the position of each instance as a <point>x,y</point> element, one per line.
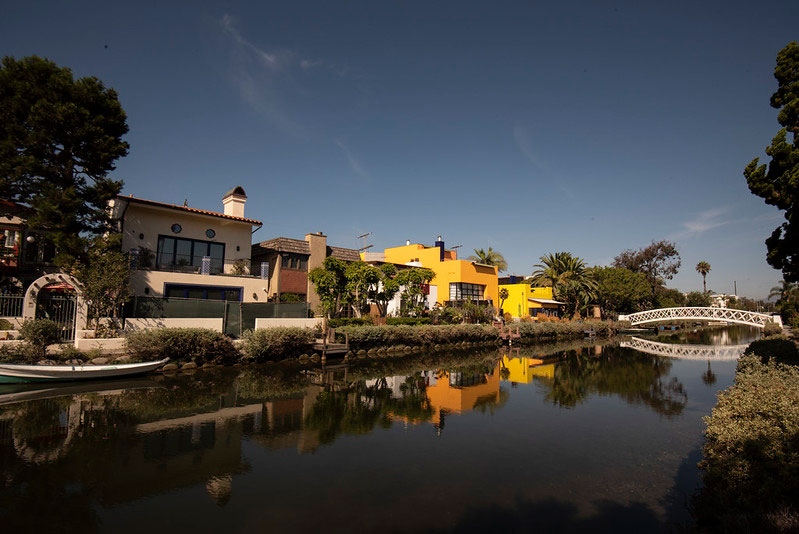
<point>365,246</point>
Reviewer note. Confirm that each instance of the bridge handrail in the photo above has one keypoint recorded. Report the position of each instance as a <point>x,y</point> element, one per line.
<point>731,315</point>
<point>686,351</point>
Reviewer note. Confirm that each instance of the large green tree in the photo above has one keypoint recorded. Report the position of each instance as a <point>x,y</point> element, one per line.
<point>330,283</point>
<point>59,140</point>
<point>489,257</point>
<point>778,183</point>
<point>659,262</point>
<point>621,290</point>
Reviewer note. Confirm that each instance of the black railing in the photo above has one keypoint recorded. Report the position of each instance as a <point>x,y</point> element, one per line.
<point>196,265</point>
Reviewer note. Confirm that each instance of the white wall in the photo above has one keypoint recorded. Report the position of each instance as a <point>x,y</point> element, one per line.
<point>270,322</point>
<point>393,308</point>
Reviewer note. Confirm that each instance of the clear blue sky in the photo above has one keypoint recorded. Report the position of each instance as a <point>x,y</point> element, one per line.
<point>530,127</point>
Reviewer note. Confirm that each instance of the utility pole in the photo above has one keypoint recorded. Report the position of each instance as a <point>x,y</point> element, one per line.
<point>735,288</point>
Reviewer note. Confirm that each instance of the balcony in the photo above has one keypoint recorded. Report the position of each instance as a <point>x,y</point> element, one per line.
<point>196,265</point>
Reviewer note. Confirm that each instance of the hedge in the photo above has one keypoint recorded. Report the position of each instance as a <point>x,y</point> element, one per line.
<point>751,451</point>
<point>200,345</point>
<point>268,344</point>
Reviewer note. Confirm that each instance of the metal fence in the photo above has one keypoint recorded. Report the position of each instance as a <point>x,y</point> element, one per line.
<point>11,305</point>
<point>238,316</point>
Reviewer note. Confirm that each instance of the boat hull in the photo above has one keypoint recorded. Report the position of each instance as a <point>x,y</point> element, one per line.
<point>17,374</point>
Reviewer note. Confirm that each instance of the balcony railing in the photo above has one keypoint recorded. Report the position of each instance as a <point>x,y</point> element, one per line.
<point>199,265</point>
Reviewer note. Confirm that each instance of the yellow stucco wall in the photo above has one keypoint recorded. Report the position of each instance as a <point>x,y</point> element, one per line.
<point>451,270</point>
<point>455,399</point>
<point>517,303</point>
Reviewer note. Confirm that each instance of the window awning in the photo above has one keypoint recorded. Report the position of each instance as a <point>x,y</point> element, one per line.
<point>547,301</point>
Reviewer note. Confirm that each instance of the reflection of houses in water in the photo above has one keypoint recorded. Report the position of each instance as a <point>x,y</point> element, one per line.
<point>127,462</point>
<point>458,392</point>
<point>522,370</point>
<point>282,423</point>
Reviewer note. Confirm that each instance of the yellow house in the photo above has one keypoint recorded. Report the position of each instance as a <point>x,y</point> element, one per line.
<point>455,280</point>
<point>525,300</point>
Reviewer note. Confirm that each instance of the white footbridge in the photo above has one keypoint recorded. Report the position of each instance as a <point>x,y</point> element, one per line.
<point>686,352</point>
<point>727,315</point>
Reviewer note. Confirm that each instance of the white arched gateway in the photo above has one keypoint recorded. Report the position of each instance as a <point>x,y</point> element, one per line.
<point>728,315</point>
<point>75,316</point>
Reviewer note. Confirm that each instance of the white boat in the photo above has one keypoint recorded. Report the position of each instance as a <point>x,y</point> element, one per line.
<point>15,373</point>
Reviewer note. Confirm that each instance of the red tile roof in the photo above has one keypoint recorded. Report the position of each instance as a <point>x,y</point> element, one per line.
<point>186,208</point>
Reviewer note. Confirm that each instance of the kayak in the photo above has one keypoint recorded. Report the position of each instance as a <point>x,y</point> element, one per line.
<point>16,373</point>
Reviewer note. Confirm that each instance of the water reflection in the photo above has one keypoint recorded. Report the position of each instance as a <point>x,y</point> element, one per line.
<point>115,443</point>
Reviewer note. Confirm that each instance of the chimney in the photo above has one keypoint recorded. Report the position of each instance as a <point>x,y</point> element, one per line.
<point>233,202</point>
<point>407,242</point>
<point>440,245</point>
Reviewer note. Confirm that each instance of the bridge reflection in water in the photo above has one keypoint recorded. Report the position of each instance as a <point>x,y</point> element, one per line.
<point>686,352</point>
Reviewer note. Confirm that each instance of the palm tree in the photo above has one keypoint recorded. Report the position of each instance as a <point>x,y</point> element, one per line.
<point>703,268</point>
<point>569,277</point>
<point>489,257</point>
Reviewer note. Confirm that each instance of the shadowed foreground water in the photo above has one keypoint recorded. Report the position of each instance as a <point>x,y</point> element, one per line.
<point>558,438</point>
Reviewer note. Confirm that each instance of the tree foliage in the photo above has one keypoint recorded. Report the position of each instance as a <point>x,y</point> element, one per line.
<point>571,280</point>
<point>659,262</point>
<point>778,183</point>
<point>330,283</point>
<point>703,268</point>
<point>414,283</point>
<point>104,277</point>
<point>489,257</point>
<point>787,295</point>
<point>696,298</point>
<point>621,290</point>
<point>356,284</point>
<point>59,139</point>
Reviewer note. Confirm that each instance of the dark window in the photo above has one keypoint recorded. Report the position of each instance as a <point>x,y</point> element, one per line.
<point>297,262</point>
<point>175,253</point>
<point>202,292</point>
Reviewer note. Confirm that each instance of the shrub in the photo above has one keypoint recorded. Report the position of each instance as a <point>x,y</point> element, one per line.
<point>267,344</point>
<point>779,350</point>
<point>200,345</point>
<point>411,321</point>
<point>751,452</point>
<point>349,321</point>
<point>772,329</point>
<point>19,353</point>
<point>5,324</point>
<point>40,333</point>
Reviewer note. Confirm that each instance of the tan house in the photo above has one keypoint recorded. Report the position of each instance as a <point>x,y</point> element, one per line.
<point>179,251</point>
<point>289,261</point>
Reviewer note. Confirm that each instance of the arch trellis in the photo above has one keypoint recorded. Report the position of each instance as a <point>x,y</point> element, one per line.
<point>728,315</point>
<point>685,352</point>
<point>32,294</point>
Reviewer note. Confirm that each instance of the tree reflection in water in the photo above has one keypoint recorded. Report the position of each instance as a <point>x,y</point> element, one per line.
<point>635,377</point>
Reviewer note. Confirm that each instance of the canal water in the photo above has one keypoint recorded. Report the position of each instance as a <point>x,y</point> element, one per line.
<point>582,436</point>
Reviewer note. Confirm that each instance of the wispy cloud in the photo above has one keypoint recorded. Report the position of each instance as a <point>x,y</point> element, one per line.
<point>354,163</point>
<point>525,145</point>
<point>702,222</point>
<point>271,80</point>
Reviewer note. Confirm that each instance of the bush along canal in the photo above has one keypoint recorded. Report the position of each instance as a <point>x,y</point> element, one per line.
<point>577,435</point>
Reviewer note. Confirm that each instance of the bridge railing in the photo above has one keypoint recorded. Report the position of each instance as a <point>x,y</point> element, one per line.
<point>729,315</point>
<point>685,351</point>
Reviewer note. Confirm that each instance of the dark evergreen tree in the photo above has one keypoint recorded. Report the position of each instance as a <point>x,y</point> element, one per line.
<point>778,183</point>
<point>59,139</point>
